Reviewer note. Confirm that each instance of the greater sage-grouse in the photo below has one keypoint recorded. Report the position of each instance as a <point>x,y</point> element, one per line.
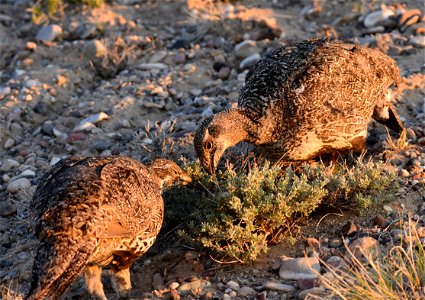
<point>93,213</point>
<point>304,100</point>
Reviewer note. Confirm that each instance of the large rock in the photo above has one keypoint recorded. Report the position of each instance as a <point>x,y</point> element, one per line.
<point>299,268</point>
<point>18,184</point>
<point>363,247</point>
<point>49,33</point>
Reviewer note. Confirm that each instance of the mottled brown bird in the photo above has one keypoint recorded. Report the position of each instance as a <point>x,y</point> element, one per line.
<point>97,212</point>
<point>304,100</point>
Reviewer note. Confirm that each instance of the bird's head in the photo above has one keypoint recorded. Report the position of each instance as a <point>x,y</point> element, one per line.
<point>216,134</point>
<point>168,173</point>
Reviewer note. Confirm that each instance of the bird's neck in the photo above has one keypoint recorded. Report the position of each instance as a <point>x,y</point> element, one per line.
<point>239,128</point>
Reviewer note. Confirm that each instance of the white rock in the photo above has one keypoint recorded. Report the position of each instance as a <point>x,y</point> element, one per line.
<point>18,184</point>
<point>9,143</point>
<point>173,285</point>
<point>233,285</point>
<point>84,126</point>
<point>158,56</point>
<point>299,268</point>
<point>153,66</point>
<point>54,161</point>
<point>4,90</point>
<point>246,48</point>
<point>59,134</point>
<point>374,18</point>
<point>250,61</point>
<point>96,118</point>
<point>28,173</point>
<point>9,164</point>
<point>279,286</point>
<point>49,33</point>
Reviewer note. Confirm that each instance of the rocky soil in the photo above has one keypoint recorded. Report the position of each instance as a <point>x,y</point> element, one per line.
<point>136,78</point>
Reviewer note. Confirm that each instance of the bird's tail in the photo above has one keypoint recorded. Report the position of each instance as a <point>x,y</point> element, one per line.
<point>56,266</point>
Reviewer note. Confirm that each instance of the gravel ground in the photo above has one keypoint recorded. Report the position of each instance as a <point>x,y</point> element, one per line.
<point>112,80</point>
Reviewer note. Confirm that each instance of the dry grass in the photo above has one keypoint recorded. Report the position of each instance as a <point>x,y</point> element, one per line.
<point>395,274</point>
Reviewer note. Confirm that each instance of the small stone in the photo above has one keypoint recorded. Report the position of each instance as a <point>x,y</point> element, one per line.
<point>226,297</point>
<point>306,283</point>
<point>173,285</point>
<point>31,46</point>
<point>249,61</point>
<point>349,229</point>
<point>279,286</point>
<point>179,58</point>
<point>158,56</point>
<point>410,133</point>
<point>233,294</point>
<point>246,291</point>
<point>224,73</point>
<point>404,173</point>
<point>333,261</point>
<point>152,66</point>
<point>421,232</point>
<point>158,282</point>
<point>54,161</point>
<point>28,173</point>
<point>8,164</point>
<point>175,295</point>
<point>246,48</point>
<point>374,18</point>
<point>49,33</point>
<point>101,145</point>
<point>313,291</point>
<point>299,268</point>
<point>379,221</point>
<point>388,208</point>
<point>4,90</point>
<point>367,245</point>
<point>421,141</point>
<point>335,243</point>
<point>408,18</point>
<point>233,285</point>
<point>417,41</point>
<point>7,208</point>
<point>95,49</point>
<point>18,184</point>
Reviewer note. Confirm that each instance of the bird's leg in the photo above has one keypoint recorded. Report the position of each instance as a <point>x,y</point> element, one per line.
<point>93,276</point>
<point>121,282</point>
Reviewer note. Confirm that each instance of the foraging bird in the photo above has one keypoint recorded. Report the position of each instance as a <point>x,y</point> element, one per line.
<point>97,212</point>
<point>305,100</point>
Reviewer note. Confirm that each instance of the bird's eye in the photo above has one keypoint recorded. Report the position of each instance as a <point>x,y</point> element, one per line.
<point>208,145</point>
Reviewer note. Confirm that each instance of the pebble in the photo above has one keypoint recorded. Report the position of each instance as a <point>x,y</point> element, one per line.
<point>84,126</point>
<point>313,291</point>
<point>279,286</point>
<point>349,229</point>
<point>404,173</point>
<point>374,18</point>
<point>299,268</point>
<point>233,285</point>
<point>226,297</point>
<point>28,173</point>
<point>179,58</point>
<point>94,49</point>
<point>7,208</point>
<point>101,145</point>
<point>8,164</point>
<point>335,243</point>
<point>421,141</point>
<point>31,45</point>
<point>18,184</point>
<point>388,208</point>
<point>410,133</point>
<point>246,291</point>
<point>249,61</point>
<point>158,282</point>
<point>54,161</point>
<point>49,33</point>
<point>417,41</point>
<point>185,288</point>
<point>224,73</point>
<point>333,261</point>
<point>96,118</point>
<point>367,245</point>
<point>152,66</point>
<point>173,285</point>
<point>158,56</point>
<point>4,90</point>
<point>246,48</point>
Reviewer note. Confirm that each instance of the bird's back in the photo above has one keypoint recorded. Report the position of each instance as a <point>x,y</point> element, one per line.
<point>317,88</point>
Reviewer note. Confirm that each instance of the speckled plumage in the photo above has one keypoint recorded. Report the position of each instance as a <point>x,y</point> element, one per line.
<point>96,212</point>
<point>304,100</point>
